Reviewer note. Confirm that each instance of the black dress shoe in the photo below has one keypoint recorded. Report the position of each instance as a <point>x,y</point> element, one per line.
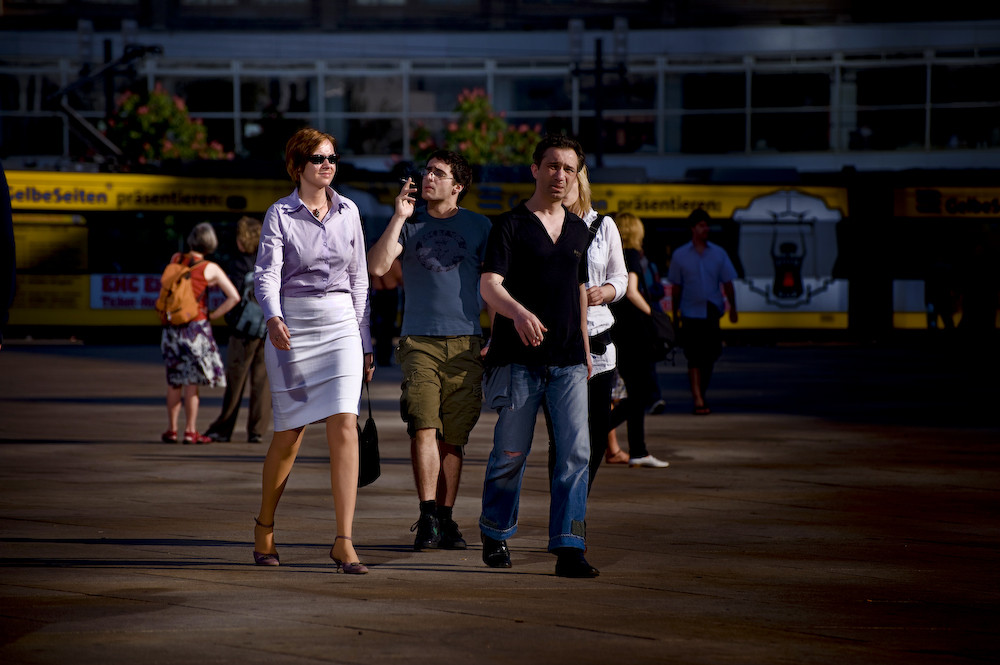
<point>572,564</point>
<point>495,552</point>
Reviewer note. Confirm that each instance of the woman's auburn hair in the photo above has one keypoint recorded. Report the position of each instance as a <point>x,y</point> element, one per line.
<point>248,233</point>
<point>300,147</point>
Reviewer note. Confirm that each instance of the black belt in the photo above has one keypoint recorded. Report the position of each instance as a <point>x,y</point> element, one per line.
<point>599,342</point>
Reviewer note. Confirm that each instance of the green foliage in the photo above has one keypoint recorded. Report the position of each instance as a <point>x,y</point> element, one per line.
<point>152,126</point>
<point>481,134</point>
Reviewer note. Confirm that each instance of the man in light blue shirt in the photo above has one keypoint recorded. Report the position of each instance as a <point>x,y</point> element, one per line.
<point>697,271</point>
<point>441,248</point>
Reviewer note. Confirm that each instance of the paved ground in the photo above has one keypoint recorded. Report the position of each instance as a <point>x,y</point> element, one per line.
<point>840,506</point>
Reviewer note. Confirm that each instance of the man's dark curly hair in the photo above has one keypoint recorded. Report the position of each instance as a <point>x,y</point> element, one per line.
<point>460,168</point>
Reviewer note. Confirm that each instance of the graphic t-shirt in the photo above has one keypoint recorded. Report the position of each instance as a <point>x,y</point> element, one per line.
<point>442,260</point>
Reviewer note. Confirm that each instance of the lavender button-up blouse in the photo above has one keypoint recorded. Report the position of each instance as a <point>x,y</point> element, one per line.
<point>301,256</point>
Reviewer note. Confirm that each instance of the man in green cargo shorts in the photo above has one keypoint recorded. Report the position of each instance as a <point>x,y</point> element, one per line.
<point>441,248</point>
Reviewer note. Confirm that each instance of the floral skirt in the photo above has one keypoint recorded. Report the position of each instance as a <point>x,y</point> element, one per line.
<point>191,355</point>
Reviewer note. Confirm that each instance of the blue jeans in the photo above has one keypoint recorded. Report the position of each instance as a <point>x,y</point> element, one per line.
<point>565,390</point>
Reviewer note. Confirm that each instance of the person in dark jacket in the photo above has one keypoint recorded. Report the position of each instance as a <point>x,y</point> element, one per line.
<point>245,353</point>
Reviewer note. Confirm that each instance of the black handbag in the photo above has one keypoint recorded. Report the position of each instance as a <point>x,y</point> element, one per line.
<point>664,337</point>
<point>369,461</point>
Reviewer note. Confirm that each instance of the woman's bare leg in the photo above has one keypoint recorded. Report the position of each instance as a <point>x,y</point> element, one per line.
<point>191,402</point>
<point>277,466</point>
<point>174,394</point>
<point>342,438</point>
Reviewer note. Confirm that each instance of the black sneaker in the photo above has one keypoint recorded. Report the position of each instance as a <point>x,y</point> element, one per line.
<point>451,537</point>
<point>428,533</point>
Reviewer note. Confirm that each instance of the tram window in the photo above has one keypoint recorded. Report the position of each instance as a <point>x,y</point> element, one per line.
<point>622,133</point>
<point>380,136</point>
<point>888,130</point>
<point>965,84</point>
<point>532,93</point>
<point>965,128</point>
<point>269,94</point>
<point>788,132</point>
<point>130,242</point>
<point>790,90</point>
<point>439,93</point>
<point>203,94</point>
<point>50,244</point>
<point>891,86</point>
<point>713,133</point>
<point>372,94</point>
<point>31,136</point>
<point>638,91</point>
<point>714,91</point>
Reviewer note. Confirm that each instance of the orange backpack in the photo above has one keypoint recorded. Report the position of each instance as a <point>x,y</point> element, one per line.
<point>177,305</point>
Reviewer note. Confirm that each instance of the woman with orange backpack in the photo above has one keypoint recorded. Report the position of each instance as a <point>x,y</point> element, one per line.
<point>189,350</point>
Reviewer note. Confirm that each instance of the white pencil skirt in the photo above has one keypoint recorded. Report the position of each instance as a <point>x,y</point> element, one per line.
<point>321,375</point>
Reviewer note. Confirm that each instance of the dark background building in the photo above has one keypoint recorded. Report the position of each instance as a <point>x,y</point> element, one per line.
<point>664,89</point>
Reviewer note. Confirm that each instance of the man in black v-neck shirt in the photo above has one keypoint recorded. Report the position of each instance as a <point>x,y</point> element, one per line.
<point>534,278</point>
<point>543,276</point>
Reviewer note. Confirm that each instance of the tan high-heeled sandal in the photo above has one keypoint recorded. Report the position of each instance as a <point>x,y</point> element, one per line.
<point>355,568</point>
<point>265,558</point>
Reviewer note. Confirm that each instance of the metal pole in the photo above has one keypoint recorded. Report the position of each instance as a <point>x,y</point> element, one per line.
<point>599,100</point>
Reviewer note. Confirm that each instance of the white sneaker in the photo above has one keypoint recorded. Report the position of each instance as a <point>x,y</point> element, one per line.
<point>649,461</point>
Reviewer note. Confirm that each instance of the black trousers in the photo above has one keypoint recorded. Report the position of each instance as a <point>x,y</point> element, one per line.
<point>639,376</point>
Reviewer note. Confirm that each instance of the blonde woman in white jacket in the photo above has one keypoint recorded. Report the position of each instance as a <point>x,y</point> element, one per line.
<point>607,282</point>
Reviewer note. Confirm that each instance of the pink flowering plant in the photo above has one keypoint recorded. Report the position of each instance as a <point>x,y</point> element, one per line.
<point>150,127</point>
<point>481,134</point>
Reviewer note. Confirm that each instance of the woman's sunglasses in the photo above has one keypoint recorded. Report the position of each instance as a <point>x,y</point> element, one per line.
<point>319,159</point>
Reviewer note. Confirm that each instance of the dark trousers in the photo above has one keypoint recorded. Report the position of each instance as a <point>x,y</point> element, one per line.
<point>244,359</point>
<point>599,421</point>
<point>639,376</point>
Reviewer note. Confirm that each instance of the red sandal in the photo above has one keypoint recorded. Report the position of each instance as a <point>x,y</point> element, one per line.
<point>170,436</point>
<point>194,437</point>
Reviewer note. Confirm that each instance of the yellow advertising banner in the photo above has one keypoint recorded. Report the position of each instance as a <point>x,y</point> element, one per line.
<point>653,200</point>
<point>964,202</point>
<point>83,192</point>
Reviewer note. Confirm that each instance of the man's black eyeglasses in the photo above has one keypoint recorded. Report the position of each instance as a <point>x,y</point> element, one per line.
<point>319,159</point>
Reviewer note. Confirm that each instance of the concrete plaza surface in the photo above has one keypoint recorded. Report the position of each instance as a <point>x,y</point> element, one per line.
<point>839,506</point>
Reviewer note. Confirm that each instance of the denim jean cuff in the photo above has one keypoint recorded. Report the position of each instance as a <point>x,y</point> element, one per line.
<point>567,540</point>
<point>495,533</point>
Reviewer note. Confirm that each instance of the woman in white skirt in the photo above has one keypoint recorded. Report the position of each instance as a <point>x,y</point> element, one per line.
<point>312,283</point>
